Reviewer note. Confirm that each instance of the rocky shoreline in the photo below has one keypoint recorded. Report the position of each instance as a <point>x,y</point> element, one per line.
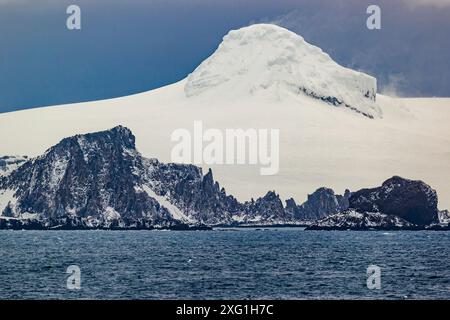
<point>100,181</point>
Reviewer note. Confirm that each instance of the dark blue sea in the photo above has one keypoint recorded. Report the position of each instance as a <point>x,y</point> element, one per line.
<point>283,263</point>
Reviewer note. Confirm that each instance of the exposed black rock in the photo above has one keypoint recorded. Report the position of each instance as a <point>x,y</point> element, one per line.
<point>199,197</point>
<point>337,102</point>
<point>411,200</point>
<point>323,202</point>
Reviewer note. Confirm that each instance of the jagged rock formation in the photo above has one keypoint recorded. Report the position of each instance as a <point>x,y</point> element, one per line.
<point>398,204</point>
<point>195,198</point>
<point>268,208</point>
<point>411,200</point>
<point>87,181</point>
<point>321,203</point>
<point>100,180</point>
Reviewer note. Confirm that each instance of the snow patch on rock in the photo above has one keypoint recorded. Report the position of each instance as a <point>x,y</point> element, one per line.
<point>11,163</point>
<point>354,220</point>
<point>176,213</point>
<point>6,198</point>
<point>444,217</point>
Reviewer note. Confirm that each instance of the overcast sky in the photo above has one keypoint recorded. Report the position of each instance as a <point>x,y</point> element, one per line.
<point>131,46</point>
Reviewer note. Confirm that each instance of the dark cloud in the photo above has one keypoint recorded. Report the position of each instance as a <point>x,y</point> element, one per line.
<point>410,54</point>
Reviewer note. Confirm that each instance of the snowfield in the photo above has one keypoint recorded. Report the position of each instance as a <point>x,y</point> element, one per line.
<point>321,144</point>
<point>271,58</point>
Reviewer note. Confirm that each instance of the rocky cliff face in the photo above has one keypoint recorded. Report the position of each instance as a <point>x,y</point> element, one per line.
<point>87,180</point>
<point>100,180</point>
<point>268,208</point>
<point>195,197</point>
<point>323,202</point>
<point>411,200</point>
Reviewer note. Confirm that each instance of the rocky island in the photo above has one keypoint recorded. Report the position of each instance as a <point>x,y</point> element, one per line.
<point>100,181</point>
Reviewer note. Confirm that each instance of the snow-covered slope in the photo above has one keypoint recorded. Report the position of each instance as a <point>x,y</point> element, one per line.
<point>320,145</point>
<point>270,58</point>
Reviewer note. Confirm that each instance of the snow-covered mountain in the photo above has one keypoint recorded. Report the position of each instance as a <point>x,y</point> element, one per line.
<point>269,58</point>
<point>267,77</point>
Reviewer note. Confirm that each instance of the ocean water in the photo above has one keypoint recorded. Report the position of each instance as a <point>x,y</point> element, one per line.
<point>283,263</point>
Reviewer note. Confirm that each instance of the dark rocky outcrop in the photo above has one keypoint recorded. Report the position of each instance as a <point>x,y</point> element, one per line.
<point>323,202</point>
<point>267,208</point>
<point>398,204</point>
<point>411,200</point>
<point>198,196</point>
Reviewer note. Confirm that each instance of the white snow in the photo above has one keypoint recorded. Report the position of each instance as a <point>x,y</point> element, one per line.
<point>163,201</point>
<point>444,217</point>
<point>27,215</point>
<point>83,145</point>
<point>6,197</point>
<point>353,218</point>
<point>111,214</point>
<point>238,218</point>
<point>271,58</point>
<point>58,170</point>
<point>320,145</point>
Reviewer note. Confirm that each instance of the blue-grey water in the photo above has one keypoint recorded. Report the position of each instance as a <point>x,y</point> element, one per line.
<point>285,263</point>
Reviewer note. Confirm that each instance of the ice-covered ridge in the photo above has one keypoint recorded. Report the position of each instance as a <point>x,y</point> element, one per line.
<point>271,58</point>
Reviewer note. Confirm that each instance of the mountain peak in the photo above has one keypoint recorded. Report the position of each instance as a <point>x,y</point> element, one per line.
<point>118,135</point>
<point>125,135</point>
<point>265,57</point>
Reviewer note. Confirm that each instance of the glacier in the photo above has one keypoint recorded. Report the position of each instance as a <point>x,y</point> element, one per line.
<point>268,57</point>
